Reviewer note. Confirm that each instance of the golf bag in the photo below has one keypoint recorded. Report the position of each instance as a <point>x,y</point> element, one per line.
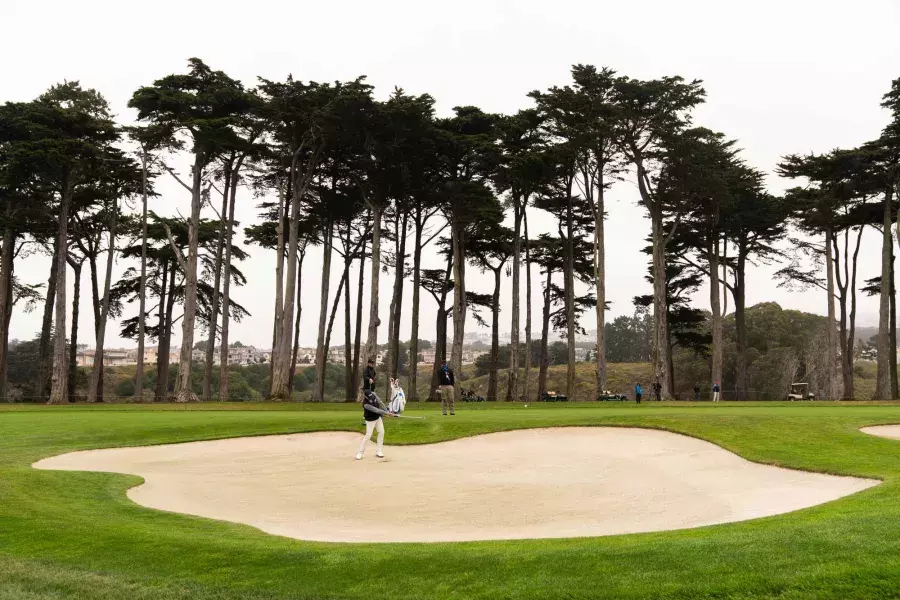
<point>398,398</point>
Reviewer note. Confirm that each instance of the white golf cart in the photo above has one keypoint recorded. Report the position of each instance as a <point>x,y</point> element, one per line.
<point>800,391</point>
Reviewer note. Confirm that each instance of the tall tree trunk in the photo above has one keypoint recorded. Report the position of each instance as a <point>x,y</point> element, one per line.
<point>357,341</point>
<point>849,392</point>
<point>296,349</point>
<point>660,311</point>
<point>883,372</point>
<point>349,391</point>
<point>459,298</point>
<point>718,355</point>
<point>527,372</point>
<point>495,338</point>
<point>371,352</point>
<point>60,378</point>
<point>600,280</point>
<point>95,391</point>
<point>41,387</point>
<point>283,213</point>
<point>440,350</point>
<point>831,371</point>
<point>162,353</point>
<point>139,372</point>
<point>183,388</point>
<point>73,337</point>
<point>226,291</point>
<point>397,306</point>
<point>740,325</point>
<point>570,297</point>
<point>217,281</point>
<point>412,382</point>
<point>281,374</point>
<point>4,342</point>
<point>512,385</point>
<point>334,309</point>
<point>321,347</point>
<point>893,333</point>
<point>545,337</point>
<point>6,293</point>
<point>170,308</point>
<point>440,346</point>
<point>96,300</point>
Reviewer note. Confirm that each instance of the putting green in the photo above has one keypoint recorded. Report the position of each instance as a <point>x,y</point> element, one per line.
<point>77,535</point>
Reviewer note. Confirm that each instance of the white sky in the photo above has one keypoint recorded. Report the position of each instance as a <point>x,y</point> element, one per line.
<point>782,77</point>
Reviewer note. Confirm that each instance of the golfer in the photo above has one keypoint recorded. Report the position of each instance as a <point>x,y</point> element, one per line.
<point>657,391</point>
<point>696,391</point>
<point>373,410</point>
<point>716,390</point>
<point>638,392</point>
<point>446,382</point>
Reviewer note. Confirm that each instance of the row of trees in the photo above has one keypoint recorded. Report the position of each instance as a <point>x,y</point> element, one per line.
<point>374,183</point>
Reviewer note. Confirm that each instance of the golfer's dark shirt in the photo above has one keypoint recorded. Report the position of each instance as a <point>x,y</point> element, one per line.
<point>369,379</point>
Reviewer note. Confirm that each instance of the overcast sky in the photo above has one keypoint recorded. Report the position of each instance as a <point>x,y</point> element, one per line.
<point>781,77</point>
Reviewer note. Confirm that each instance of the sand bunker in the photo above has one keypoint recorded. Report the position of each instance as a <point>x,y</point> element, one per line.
<point>887,431</point>
<point>566,482</point>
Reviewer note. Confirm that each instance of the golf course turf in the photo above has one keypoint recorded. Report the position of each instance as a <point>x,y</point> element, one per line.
<point>76,535</point>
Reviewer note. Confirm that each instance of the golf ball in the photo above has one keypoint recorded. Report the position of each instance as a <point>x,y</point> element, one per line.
<point>526,406</point>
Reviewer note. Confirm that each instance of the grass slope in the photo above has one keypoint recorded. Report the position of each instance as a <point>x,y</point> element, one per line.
<point>76,535</point>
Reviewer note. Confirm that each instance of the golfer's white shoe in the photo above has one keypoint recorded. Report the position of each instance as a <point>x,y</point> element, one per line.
<point>379,455</point>
<point>359,456</point>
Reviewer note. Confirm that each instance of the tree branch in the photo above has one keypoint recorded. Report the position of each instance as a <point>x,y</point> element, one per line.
<point>178,255</point>
<point>177,178</point>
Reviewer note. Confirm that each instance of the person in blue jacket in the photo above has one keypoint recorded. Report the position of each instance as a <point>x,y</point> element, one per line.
<point>638,392</point>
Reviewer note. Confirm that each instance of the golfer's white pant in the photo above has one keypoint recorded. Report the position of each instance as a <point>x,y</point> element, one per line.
<point>715,396</point>
<point>370,425</point>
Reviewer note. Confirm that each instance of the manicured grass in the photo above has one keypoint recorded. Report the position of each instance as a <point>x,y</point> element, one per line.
<point>76,535</point>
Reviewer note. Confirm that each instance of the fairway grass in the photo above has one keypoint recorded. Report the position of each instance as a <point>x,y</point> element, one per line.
<point>76,535</point>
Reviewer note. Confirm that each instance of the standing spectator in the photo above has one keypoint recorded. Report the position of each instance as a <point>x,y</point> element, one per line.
<point>657,390</point>
<point>696,391</point>
<point>369,376</point>
<point>716,390</point>
<point>638,392</point>
<point>446,382</point>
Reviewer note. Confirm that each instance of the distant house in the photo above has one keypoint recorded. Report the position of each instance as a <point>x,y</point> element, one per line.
<point>151,353</point>
<point>337,355</point>
<point>427,356</point>
<point>112,357</point>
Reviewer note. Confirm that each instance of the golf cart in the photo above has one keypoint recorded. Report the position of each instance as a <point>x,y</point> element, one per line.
<point>800,391</point>
<point>553,397</point>
<point>607,396</point>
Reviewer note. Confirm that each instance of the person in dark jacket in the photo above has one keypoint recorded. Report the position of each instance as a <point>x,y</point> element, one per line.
<point>369,376</point>
<point>373,410</point>
<point>446,381</point>
<point>696,391</point>
<point>657,391</point>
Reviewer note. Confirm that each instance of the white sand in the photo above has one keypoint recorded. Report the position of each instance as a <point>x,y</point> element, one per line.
<point>887,431</point>
<point>565,482</point>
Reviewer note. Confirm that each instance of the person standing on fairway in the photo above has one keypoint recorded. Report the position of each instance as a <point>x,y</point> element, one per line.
<point>696,391</point>
<point>446,381</point>
<point>369,376</point>
<point>657,391</point>
<point>638,392</point>
<point>716,390</point>
<point>373,410</point>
